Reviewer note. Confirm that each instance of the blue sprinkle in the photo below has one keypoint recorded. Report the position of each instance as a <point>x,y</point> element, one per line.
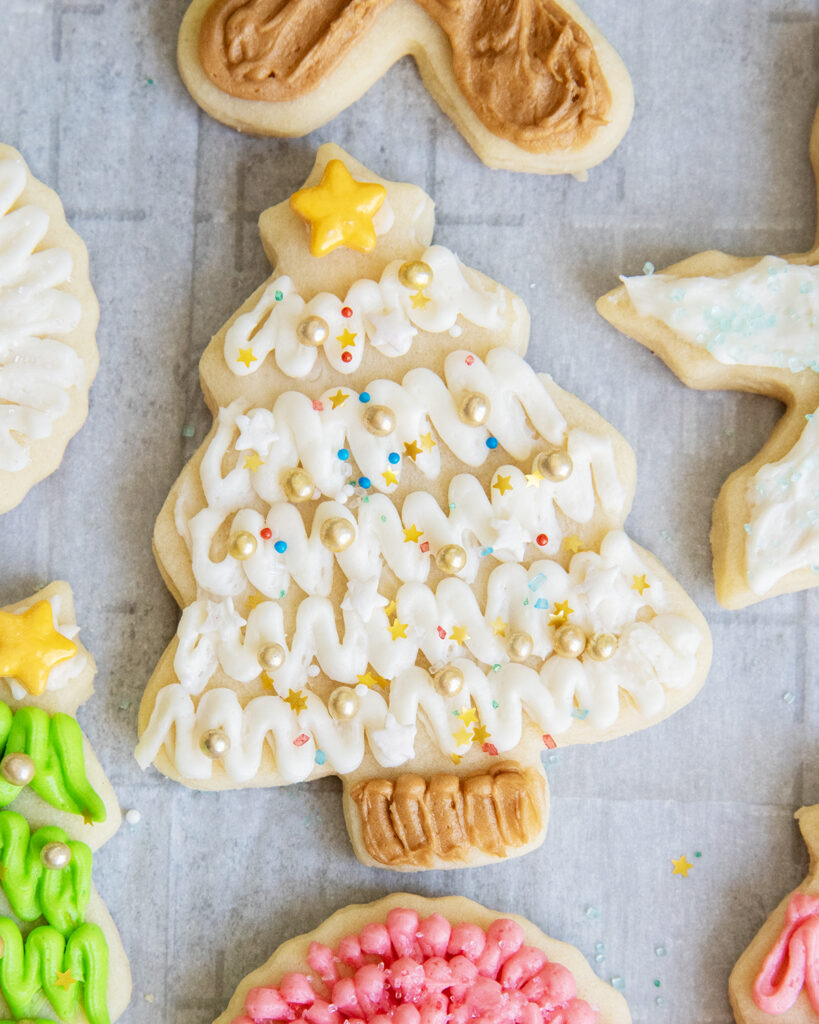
<point>365,482</point>
<point>491,443</point>
<point>536,582</point>
<point>592,912</point>
<point>789,697</point>
<point>393,458</point>
<point>321,757</point>
<point>364,397</point>
<point>648,267</point>
<point>600,948</point>
<point>748,528</point>
<point>809,416</point>
<point>343,454</point>
<point>280,546</point>
<point>618,983</point>
<point>581,713</point>
<point>541,603</point>
<point>660,951</point>
<point>486,551</point>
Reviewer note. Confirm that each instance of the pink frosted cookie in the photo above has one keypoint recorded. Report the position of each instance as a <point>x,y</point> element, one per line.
<point>412,960</point>
<point>777,977</point>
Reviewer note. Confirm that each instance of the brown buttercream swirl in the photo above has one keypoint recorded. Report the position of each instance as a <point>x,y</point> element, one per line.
<point>527,69</point>
<point>410,821</point>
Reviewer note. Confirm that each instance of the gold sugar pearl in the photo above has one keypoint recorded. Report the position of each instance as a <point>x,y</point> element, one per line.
<point>602,646</point>
<point>55,856</point>
<point>473,408</point>
<point>569,641</point>
<point>271,657</point>
<point>449,681</point>
<point>519,645</point>
<point>343,703</point>
<point>379,420</point>
<point>313,330</point>
<point>17,769</point>
<point>451,558</point>
<point>337,534</point>
<point>215,744</point>
<point>415,274</point>
<point>297,484</point>
<point>555,465</point>
<point>242,545</point>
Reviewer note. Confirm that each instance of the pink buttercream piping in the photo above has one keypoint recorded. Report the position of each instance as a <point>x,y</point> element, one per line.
<point>793,963</point>
<point>409,971</point>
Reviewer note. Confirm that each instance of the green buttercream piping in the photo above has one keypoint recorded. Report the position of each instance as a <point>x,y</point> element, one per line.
<point>55,744</point>
<point>29,969</point>
<point>33,890</point>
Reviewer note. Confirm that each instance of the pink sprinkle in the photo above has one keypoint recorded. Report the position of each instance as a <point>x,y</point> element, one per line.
<point>317,405</point>
<point>490,748</point>
<point>469,360</point>
<point>442,632</point>
<point>299,741</point>
<point>548,741</point>
<point>424,546</point>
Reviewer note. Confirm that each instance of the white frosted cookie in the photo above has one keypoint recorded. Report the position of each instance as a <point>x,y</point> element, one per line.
<point>48,319</point>
<point>56,808</point>
<point>426,959</point>
<point>748,324</point>
<point>777,977</point>
<point>399,552</point>
<point>532,87</point>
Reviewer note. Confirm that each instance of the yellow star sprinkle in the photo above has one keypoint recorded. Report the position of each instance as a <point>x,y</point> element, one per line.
<point>88,818</point>
<point>347,338</point>
<point>296,700</point>
<point>65,979</point>
<point>398,629</point>
<point>640,584</point>
<point>573,543</point>
<point>562,608</point>
<point>339,210</point>
<point>456,758</point>
<point>499,627</point>
<point>412,533</point>
<point>390,608</point>
<point>268,683</point>
<point>246,356</point>
<point>467,715</point>
<point>503,484</point>
<point>534,479</point>
<point>371,679</point>
<point>339,398</point>
<point>462,737</point>
<point>254,601</point>
<point>681,867</point>
<point>252,462</point>
<point>459,635</point>
<point>411,448</point>
<point>419,300</point>
<point>30,646</point>
<point>480,734</point>
<point>389,477</point>
<point>427,442</point>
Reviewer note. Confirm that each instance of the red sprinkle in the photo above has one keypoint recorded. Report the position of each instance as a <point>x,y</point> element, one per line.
<point>548,741</point>
<point>299,741</point>
<point>346,312</point>
<point>542,539</point>
<point>317,405</point>
<point>490,748</point>
<point>346,357</point>
<point>266,533</point>
<point>469,360</point>
<point>442,632</point>
<point>424,546</point>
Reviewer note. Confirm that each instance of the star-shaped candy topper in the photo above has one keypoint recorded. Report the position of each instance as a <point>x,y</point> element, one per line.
<point>340,210</point>
<point>30,646</point>
<point>747,324</point>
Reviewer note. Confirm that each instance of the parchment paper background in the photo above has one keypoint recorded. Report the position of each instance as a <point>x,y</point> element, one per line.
<point>207,885</point>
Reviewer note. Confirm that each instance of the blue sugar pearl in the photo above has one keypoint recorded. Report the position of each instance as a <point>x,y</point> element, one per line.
<point>364,397</point>
<point>491,443</point>
<point>393,458</point>
<point>364,481</point>
<point>280,546</point>
<point>321,757</point>
<point>343,454</point>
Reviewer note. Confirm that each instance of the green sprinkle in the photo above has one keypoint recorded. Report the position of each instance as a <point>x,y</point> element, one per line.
<point>278,296</point>
<point>188,430</point>
<point>656,983</point>
<point>150,81</point>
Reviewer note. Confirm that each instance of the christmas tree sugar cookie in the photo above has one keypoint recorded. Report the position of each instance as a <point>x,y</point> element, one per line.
<point>777,977</point>
<point>413,958</point>
<point>532,85</point>
<point>399,552</point>
<point>48,317</point>
<point>61,958</point>
<point>748,324</point>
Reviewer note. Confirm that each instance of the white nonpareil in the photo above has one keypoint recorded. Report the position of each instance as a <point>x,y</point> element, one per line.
<point>37,371</point>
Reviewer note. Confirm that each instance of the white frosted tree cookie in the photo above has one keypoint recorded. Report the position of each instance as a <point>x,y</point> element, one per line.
<point>532,85</point>
<point>777,977</point>
<point>411,958</point>
<point>61,957</point>
<point>48,319</point>
<point>399,552</point>
<point>747,324</point>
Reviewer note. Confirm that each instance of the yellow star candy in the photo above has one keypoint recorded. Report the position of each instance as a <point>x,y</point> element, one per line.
<point>480,734</point>
<point>503,484</point>
<point>427,442</point>
<point>562,610</point>
<point>296,700</point>
<point>462,737</point>
<point>419,300</point>
<point>534,479</point>
<point>412,533</point>
<point>339,398</point>
<point>30,646</point>
<point>681,867</point>
<point>252,462</point>
<point>573,543</point>
<point>390,608</point>
<point>467,715</point>
<point>339,210</point>
<point>411,449</point>
<point>398,629</point>
<point>499,627</point>
<point>246,356</point>
<point>267,682</point>
<point>640,584</point>
<point>347,338</point>
<point>458,634</point>
<point>65,979</point>
<point>389,477</point>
